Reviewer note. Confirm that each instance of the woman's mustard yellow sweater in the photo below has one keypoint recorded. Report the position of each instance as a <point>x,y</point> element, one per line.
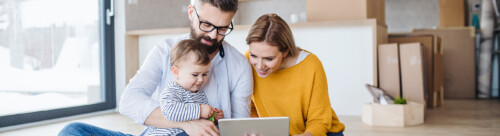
<point>299,92</point>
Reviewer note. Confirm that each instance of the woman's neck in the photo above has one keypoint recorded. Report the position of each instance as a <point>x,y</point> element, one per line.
<point>290,61</point>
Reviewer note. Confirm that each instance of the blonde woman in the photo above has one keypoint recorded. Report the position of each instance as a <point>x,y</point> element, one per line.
<point>289,81</point>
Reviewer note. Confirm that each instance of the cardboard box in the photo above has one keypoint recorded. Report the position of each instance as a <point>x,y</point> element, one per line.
<point>395,115</point>
<point>328,10</point>
<point>451,13</point>
<point>433,63</point>
<point>389,74</point>
<point>458,60</point>
<point>381,38</point>
<point>412,72</point>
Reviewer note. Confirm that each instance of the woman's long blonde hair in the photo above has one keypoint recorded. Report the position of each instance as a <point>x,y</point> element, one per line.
<point>273,30</point>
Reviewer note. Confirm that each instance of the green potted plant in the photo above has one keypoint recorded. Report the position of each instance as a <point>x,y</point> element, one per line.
<point>400,100</point>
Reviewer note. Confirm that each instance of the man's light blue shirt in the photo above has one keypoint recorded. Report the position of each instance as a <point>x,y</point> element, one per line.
<point>229,85</point>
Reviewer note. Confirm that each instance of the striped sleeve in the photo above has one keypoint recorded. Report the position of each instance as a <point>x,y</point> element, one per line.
<point>175,109</point>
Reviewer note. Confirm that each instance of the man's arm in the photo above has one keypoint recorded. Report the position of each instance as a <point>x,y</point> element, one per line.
<point>136,102</point>
<point>241,95</point>
<point>157,119</point>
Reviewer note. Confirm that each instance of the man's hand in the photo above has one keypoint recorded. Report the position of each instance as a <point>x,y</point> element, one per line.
<point>206,110</point>
<point>200,127</point>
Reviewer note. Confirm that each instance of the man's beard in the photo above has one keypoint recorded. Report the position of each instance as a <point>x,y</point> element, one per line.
<point>211,49</point>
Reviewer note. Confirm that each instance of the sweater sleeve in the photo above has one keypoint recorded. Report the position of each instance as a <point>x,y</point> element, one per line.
<point>319,117</point>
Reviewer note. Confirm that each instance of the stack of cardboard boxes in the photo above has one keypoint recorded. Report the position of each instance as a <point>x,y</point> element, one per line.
<point>401,67</point>
<point>458,60</point>
<point>449,64</point>
<point>432,89</point>
<point>424,66</point>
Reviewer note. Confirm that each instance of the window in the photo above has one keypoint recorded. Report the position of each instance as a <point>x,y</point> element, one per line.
<point>56,59</point>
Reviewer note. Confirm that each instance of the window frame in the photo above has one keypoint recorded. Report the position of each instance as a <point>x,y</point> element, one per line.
<point>107,69</point>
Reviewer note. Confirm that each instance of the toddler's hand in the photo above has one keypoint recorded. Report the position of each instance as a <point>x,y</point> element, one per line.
<point>219,114</point>
<point>206,110</point>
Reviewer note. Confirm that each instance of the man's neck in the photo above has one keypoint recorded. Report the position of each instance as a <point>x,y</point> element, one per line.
<point>212,56</point>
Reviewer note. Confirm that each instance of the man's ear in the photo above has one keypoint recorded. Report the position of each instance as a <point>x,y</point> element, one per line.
<point>191,12</point>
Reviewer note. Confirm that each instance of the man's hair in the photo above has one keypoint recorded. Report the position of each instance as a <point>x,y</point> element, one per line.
<point>185,47</point>
<point>224,5</point>
<point>273,30</point>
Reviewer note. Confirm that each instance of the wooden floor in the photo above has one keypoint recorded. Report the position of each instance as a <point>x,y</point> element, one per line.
<point>456,117</point>
<point>111,121</point>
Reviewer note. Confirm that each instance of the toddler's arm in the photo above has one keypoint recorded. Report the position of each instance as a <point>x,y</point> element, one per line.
<point>174,109</point>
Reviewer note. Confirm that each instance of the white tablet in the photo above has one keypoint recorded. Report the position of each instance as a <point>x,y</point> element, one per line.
<point>269,126</point>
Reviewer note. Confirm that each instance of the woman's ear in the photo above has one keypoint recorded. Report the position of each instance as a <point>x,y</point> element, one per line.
<point>285,54</point>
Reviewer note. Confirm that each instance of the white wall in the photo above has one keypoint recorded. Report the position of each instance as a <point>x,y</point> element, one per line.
<point>406,15</point>
<point>158,14</point>
<point>249,11</point>
<point>346,53</point>
<point>154,14</point>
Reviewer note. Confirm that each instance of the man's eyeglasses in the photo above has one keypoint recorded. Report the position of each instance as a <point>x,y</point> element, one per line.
<point>209,27</point>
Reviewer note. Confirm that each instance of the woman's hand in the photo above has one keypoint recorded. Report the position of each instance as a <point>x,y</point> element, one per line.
<point>304,134</point>
<point>200,127</point>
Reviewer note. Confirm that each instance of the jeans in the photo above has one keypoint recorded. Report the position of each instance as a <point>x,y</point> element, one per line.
<point>82,129</point>
<point>335,134</point>
<point>182,134</point>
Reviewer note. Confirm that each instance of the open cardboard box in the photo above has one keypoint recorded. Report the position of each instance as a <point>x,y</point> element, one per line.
<point>401,68</point>
<point>393,115</point>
